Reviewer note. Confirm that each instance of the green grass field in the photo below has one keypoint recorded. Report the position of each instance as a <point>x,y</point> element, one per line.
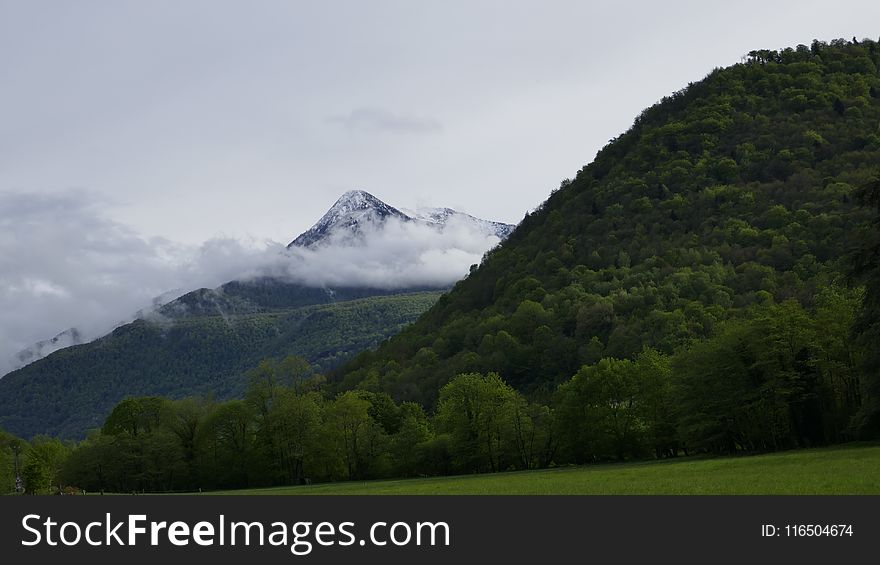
<point>849,469</point>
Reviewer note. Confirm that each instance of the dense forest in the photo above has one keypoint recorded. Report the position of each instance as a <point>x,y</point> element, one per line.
<point>708,284</point>
<point>200,344</point>
<point>736,192</point>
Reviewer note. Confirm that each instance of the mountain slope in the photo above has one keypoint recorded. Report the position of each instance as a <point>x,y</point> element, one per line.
<point>354,217</point>
<point>202,344</point>
<point>732,192</point>
<point>204,341</point>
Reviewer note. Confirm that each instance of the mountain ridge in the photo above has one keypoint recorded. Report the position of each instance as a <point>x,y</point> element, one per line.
<point>357,212</point>
<point>40,349</point>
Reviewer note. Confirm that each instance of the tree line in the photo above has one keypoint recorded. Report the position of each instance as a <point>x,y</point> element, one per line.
<point>777,378</point>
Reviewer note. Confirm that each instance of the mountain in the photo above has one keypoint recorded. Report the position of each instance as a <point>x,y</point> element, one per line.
<point>348,218</point>
<point>204,341</point>
<point>347,222</point>
<point>732,194</point>
<point>357,213</point>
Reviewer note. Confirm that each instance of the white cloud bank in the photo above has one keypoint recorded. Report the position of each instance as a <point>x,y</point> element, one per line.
<point>64,264</point>
<point>399,255</point>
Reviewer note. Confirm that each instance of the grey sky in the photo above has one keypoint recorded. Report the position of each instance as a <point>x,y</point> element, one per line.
<point>200,118</point>
<point>153,145</point>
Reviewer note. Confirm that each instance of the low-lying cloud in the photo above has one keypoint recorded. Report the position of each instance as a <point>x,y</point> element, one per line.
<point>64,264</point>
<point>397,255</point>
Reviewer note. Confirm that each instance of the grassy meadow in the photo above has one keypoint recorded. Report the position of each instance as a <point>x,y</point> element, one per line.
<point>847,469</point>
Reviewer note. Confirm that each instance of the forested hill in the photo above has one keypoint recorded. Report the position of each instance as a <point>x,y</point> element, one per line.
<point>203,343</point>
<point>692,290</point>
<point>729,195</point>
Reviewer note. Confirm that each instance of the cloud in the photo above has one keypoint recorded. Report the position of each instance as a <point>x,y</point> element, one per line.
<point>379,120</point>
<point>64,264</point>
<point>393,255</point>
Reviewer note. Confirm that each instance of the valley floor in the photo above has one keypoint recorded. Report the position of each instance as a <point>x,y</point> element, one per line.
<point>847,469</point>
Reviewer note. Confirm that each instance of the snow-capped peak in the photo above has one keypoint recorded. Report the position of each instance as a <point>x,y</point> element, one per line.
<point>348,216</point>
<point>356,210</point>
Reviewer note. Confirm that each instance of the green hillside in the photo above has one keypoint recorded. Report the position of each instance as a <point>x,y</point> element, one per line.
<point>708,285</point>
<point>730,195</point>
<point>200,344</point>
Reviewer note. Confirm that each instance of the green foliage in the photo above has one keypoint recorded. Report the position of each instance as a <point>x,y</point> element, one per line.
<point>355,439</point>
<point>193,350</point>
<point>41,465</point>
<point>135,415</point>
<point>617,409</point>
<point>227,439</point>
<point>776,377</point>
<point>296,422</point>
<point>410,446</point>
<point>35,477</point>
<point>9,447</point>
<point>733,192</point>
<point>783,377</point>
<point>488,426</point>
<point>866,269</point>
<point>476,411</point>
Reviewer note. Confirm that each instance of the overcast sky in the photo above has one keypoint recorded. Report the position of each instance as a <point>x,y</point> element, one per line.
<point>169,123</point>
<point>200,118</point>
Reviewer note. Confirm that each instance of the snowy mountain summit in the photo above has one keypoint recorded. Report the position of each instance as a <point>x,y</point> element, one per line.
<point>358,212</point>
<point>354,212</point>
